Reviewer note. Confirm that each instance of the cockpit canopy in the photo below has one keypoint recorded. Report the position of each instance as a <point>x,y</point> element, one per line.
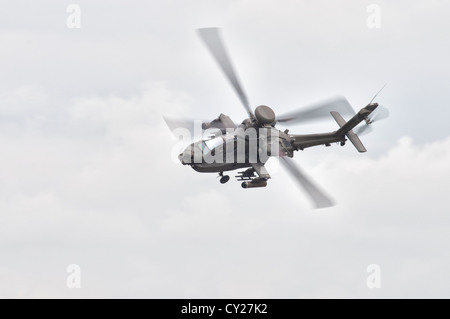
<point>209,145</point>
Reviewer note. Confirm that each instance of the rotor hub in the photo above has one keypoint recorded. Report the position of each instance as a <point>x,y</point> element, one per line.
<point>264,114</point>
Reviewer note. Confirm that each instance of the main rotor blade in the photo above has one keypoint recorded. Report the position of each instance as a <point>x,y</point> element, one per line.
<point>211,38</point>
<point>198,127</point>
<point>319,198</point>
<point>193,126</point>
<point>318,111</point>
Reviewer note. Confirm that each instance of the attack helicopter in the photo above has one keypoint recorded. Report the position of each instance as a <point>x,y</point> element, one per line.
<point>251,143</point>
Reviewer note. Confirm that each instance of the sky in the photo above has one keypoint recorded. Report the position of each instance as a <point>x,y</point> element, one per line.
<point>88,168</point>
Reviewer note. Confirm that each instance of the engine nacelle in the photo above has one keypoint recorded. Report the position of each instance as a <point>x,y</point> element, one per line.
<point>264,114</point>
<point>254,183</point>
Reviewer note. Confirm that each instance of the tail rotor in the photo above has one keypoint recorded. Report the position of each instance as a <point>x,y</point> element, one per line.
<point>380,113</point>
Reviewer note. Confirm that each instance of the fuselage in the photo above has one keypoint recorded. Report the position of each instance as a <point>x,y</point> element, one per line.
<point>250,143</point>
<point>236,149</point>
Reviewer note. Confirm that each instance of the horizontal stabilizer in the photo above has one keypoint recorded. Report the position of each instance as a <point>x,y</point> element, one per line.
<point>356,141</point>
<point>350,134</point>
<point>339,119</point>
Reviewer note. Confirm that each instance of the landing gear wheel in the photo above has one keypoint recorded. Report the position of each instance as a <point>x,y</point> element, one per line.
<point>224,179</point>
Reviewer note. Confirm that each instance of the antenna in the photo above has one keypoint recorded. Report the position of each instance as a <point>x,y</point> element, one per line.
<point>378,93</point>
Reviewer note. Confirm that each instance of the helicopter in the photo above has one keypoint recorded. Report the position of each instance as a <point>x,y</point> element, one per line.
<point>251,143</point>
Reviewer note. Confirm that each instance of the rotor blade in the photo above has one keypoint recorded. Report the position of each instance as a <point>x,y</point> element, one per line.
<point>378,93</point>
<point>193,126</point>
<point>364,129</point>
<point>197,127</point>
<point>319,198</point>
<point>318,110</point>
<point>211,38</point>
<point>381,113</point>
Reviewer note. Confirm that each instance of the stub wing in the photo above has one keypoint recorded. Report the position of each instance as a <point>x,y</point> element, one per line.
<point>261,170</point>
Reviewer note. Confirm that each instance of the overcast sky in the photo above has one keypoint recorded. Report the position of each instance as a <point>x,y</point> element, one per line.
<point>87,169</point>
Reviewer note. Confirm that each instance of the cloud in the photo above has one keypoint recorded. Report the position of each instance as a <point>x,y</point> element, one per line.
<point>158,235</point>
<point>87,175</point>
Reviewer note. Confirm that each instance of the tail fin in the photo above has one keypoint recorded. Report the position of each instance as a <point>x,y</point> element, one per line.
<point>350,134</point>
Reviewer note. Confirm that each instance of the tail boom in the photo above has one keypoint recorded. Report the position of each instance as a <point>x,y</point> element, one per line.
<point>346,128</point>
<point>345,131</point>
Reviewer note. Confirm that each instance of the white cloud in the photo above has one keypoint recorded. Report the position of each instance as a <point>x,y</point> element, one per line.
<point>139,225</point>
<point>86,174</point>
